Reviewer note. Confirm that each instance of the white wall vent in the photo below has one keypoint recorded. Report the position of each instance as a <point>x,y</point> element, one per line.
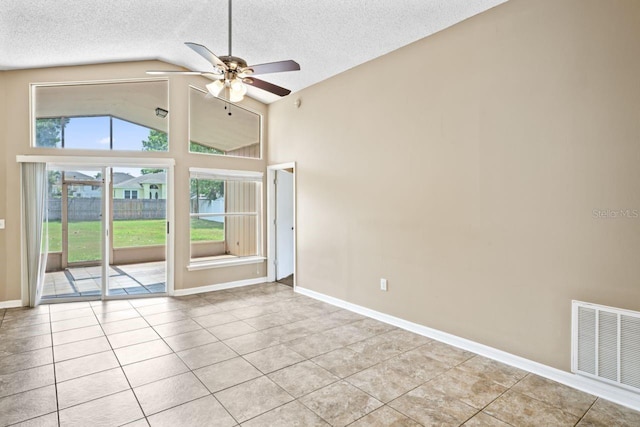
<point>606,344</point>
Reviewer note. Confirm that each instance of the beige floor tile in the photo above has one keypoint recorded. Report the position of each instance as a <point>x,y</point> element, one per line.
<point>247,400</point>
<point>169,392</point>
<point>433,408</point>
<point>74,368</point>
<point>200,412</point>
<point>151,370</point>
<point>291,414</point>
<point>303,378</point>
<point>344,362</point>
<point>107,306</point>
<point>313,345</point>
<point>340,403</point>
<point>231,330</point>
<point>138,423</point>
<point>116,409</point>
<point>468,388</point>
<point>205,355</point>
<point>555,394</point>
<point>448,354</point>
<point>83,389</point>
<point>215,319</point>
<point>267,321</point>
<point>176,328</point>
<point>483,420</point>
<point>492,370</point>
<point>116,316</point>
<point>65,325</point>
<point>168,317</point>
<point>49,420</point>
<point>20,345</point>
<point>190,339</point>
<point>127,325</point>
<point>144,351</point>
<point>251,342</point>
<point>385,416</point>
<point>25,331</point>
<point>384,381</point>
<point>128,338</point>
<point>27,360</point>
<point>79,334</point>
<point>605,414</point>
<point>22,321</point>
<point>80,348</point>
<point>518,409</point>
<point>72,314</point>
<point>28,379</point>
<point>273,358</point>
<point>226,374</point>
<point>27,405</point>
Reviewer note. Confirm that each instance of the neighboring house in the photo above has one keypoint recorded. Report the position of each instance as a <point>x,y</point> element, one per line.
<point>82,190</point>
<point>149,186</point>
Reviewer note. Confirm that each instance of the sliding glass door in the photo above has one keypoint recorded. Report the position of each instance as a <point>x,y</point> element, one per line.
<point>106,237</point>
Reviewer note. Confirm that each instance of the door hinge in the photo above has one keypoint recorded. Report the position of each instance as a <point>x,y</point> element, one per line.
<point>167,227</point>
<point>275,182</point>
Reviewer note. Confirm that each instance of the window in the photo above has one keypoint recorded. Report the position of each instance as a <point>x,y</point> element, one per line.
<point>225,216</point>
<point>220,128</point>
<point>107,116</point>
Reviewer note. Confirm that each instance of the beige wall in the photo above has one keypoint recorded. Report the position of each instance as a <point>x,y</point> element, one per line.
<point>14,140</point>
<point>465,169</point>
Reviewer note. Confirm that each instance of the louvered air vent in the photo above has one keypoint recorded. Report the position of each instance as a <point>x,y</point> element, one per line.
<point>606,344</point>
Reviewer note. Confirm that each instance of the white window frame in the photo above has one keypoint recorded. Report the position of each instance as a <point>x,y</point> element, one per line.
<point>230,175</point>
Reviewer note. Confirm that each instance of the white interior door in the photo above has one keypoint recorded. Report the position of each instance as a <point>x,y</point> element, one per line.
<point>284,224</point>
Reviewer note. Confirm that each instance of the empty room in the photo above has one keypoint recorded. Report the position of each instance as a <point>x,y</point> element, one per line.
<point>214,213</point>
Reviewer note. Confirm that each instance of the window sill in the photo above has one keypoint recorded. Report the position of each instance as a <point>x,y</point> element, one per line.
<point>226,262</point>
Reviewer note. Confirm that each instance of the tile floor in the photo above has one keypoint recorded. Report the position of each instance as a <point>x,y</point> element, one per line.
<point>131,279</point>
<point>260,356</point>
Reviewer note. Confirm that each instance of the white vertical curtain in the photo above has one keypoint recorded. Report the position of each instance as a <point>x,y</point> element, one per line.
<point>34,199</point>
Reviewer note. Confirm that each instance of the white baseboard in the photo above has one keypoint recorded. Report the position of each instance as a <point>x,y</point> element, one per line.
<point>609,392</point>
<point>219,287</point>
<point>11,304</point>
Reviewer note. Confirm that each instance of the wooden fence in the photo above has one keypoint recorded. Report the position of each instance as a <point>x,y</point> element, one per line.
<point>90,208</point>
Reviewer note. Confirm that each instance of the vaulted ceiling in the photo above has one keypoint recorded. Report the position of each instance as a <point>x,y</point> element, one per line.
<point>325,36</point>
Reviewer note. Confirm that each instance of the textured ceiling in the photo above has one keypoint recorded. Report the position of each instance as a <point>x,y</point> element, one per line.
<point>325,36</point>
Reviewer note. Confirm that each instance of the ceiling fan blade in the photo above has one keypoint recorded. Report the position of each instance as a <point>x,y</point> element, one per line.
<point>208,55</point>
<point>269,87</point>
<point>275,67</point>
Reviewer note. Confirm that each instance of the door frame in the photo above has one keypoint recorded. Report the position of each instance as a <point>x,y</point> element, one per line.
<point>271,217</point>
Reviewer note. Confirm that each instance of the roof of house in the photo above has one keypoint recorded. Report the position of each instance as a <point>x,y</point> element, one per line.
<point>150,178</point>
<point>119,177</point>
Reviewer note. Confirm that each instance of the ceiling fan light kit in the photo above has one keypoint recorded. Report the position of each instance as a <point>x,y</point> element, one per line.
<point>232,73</point>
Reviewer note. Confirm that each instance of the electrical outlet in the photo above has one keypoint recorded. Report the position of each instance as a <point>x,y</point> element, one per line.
<point>1,224</point>
<point>383,284</point>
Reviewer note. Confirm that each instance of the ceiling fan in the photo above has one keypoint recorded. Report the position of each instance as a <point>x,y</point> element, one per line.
<point>232,73</point>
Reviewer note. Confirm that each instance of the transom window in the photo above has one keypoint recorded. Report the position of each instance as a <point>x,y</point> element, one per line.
<point>105,116</point>
<point>220,128</point>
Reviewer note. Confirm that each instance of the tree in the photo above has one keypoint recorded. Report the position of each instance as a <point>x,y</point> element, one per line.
<point>156,141</point>
<point>194,147</point>
<point>49,131</point>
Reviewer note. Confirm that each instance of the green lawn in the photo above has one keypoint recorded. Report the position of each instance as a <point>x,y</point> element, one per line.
<point>84,236</point>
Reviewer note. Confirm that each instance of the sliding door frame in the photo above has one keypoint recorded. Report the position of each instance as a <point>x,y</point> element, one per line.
<point>104,163</point>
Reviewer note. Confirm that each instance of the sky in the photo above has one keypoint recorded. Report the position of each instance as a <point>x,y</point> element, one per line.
<point>93,133</point>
